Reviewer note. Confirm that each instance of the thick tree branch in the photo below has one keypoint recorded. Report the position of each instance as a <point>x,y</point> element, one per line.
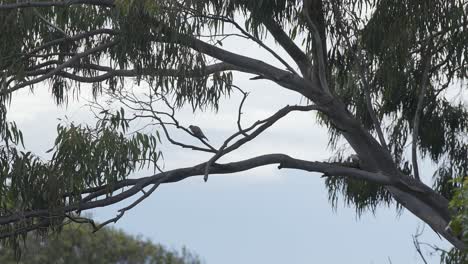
<point>429,207</point>
<point>75,59</point>
<point>111,73</point>
<point>239,112</point>
<point>177,125</point>
<point>176,175</point>
<point>245,64</point>
<point>125,209</point>
<point>50,24</point>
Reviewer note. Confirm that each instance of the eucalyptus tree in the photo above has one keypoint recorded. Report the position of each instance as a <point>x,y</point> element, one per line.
<point>376,73</point>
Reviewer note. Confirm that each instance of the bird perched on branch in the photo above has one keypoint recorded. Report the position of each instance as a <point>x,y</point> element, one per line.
<point>354,161</point>
<point>197,132</point>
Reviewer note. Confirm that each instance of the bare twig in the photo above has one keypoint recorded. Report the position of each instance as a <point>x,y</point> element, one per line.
<point>239,114</point>
<point>110,72</point>
<point>123,210</point>
<point>136,185</point>
<point>417,244</point>
<point>50,24</point>
<point>66,64</point>
<point>266,123</point>
<point>147,110</point>
<point>176,122</point>
<point>82,220</point>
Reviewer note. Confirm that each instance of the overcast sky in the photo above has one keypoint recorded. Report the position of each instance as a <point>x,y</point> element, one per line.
<point>259,216</point>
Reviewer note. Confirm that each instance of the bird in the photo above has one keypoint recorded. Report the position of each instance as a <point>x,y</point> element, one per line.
<point>354,161</point>
<point>197,132</point>
<point>354,158</point>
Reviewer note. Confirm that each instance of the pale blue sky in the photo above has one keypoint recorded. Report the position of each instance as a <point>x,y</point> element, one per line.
<point>260,216</point>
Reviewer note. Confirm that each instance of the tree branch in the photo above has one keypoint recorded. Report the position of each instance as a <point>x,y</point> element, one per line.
<point>248,35</point>
<point>417,115</point>
<point>151,112</point>
<point>75,59</point>
<point>245,64</point>
<point>363,75</point>
<point>76,37</point>
<point>123,210</point>
<point>111,73</point>
<point>50,24</point>
<point>289,46</point>
<point>370,108</point>
<point>266,123</point>
<point>319,49</point>
<point>176,175</point>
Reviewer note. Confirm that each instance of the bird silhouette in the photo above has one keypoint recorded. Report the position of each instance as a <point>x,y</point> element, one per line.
<point>197,132</point>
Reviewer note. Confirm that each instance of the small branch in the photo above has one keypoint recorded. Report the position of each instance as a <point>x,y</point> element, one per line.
<point>176,122</point>
<point>82,220</point>
<point>123,210</point>
<point>363,75</point>
<point>417,115</point>
<point>129,100</point>
<point>243,31</point>
<point>50,24</point>
<point>110,73</point>
<point>417,245</point>
<point>299,57</point>
<point>370,108</point>
<point>239,114</point>
<point>76,37</point>
<point>75,59</point>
